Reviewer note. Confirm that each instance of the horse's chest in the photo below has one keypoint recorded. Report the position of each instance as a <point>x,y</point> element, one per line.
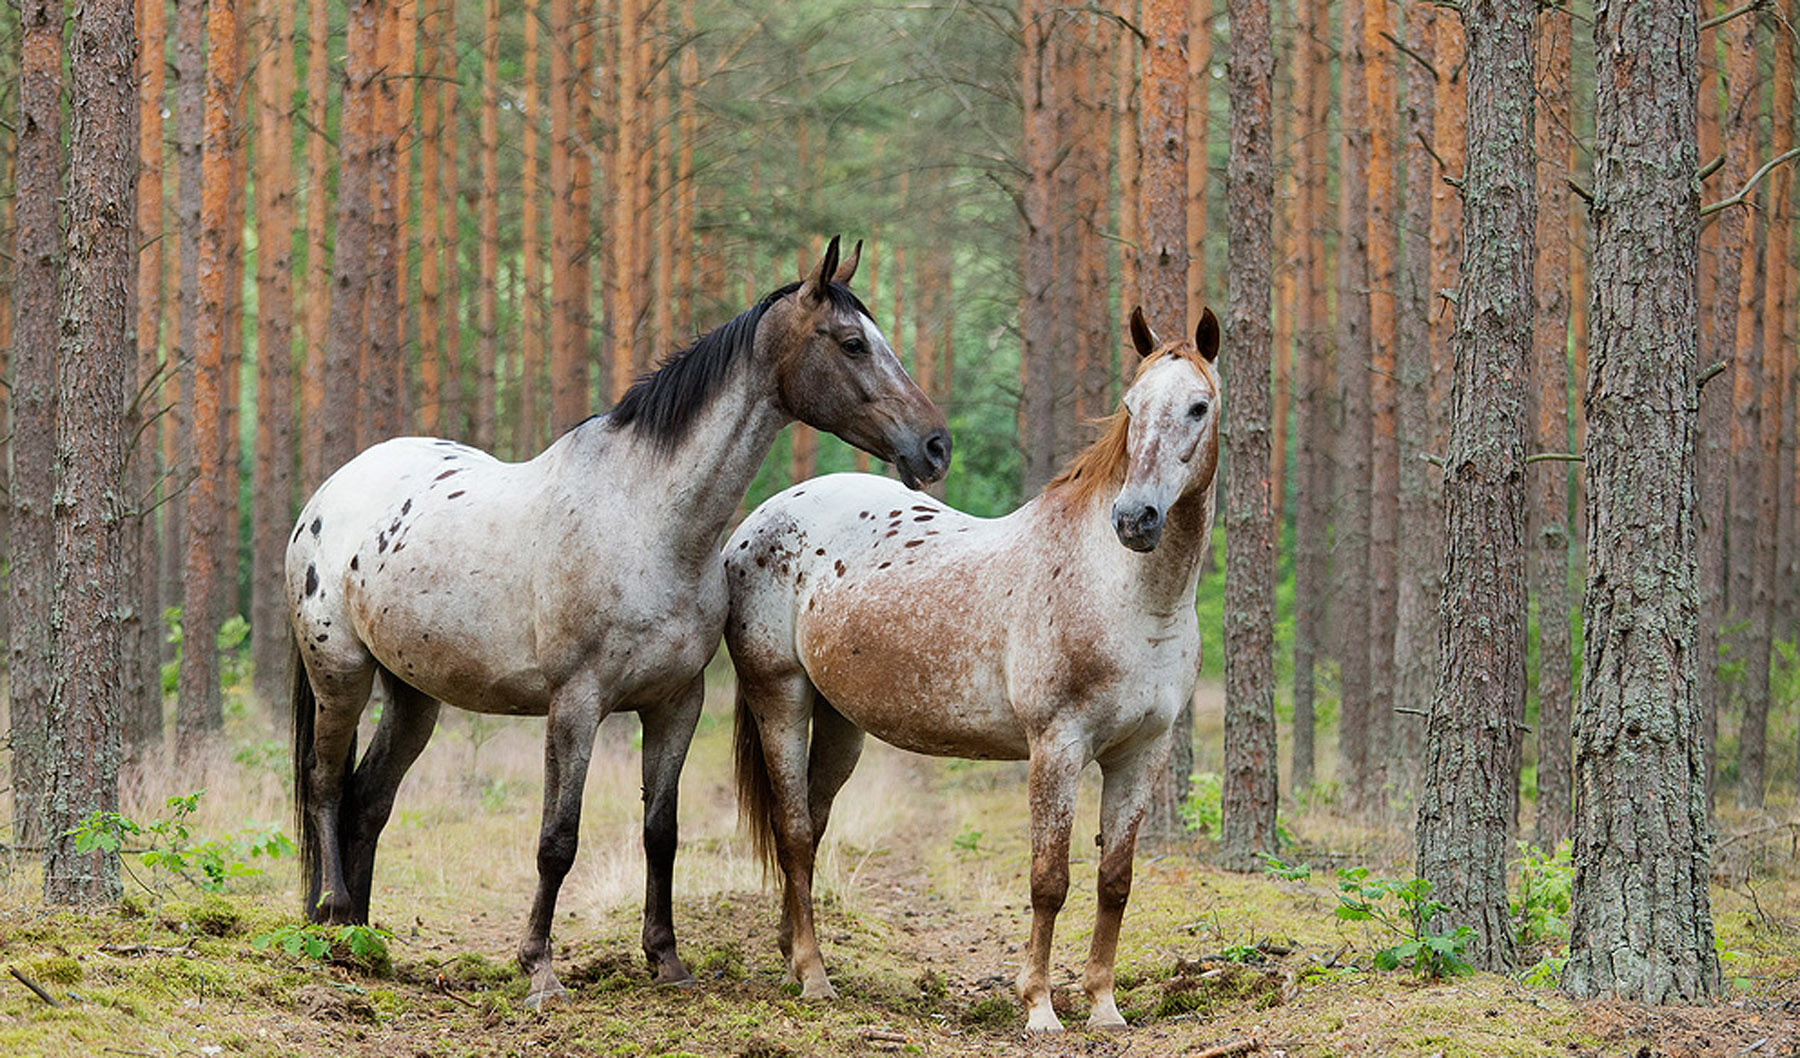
<point>657,641</point>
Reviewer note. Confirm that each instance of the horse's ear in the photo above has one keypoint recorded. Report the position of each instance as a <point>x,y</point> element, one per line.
<point>1143,339</point>
<point>847,270</point>
<point>814,287</point>
<point>1206,335</point>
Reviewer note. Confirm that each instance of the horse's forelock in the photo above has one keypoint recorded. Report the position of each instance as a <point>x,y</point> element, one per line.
<point>1103,464</point>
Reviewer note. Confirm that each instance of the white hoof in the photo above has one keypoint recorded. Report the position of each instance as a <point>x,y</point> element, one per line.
<point>1043,1019</point>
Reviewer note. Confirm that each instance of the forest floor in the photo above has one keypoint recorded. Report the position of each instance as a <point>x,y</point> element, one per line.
<point>923,909</point>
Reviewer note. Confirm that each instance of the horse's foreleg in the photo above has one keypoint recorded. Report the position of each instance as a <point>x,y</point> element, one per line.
<point>1055,768</point>
<point>782,718</point>
<point>406,726</point>
<point>1124,797</point>
<point>667,732</point>
<point>341,693</point>
<point>568,746</point>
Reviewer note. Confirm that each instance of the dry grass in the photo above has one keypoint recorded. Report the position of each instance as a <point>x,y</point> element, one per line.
<point>923,912</point>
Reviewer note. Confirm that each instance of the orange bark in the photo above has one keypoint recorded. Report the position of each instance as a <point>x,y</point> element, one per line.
<point>531,333</point>
<point>487,301</point>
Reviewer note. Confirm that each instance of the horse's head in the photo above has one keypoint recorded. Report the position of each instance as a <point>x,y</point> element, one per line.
<point>1173,441</point>
<point>835,371</point>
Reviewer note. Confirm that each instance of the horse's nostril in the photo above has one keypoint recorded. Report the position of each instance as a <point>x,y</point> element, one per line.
<point>937,447</point>
<point>1150,516</point>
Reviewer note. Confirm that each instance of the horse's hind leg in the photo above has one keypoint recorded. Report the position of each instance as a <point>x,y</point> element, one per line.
<point>406,726</point>
<point>1124,797</point>
<point>783,706</point>
<point>837,745</point>
<point>341,688</point>
<point>1051,784</point>
<point>667,733</point>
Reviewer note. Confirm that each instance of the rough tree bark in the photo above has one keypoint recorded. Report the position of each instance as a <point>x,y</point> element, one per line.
<point>1370,784</point>
<point>487,304</point>
<point>199,708</point>
<point>36,297</point>
<point>1314,490</point>
<point>82,752</point>
<point>272,479</point>
<point>1641,924</point>
<point>1469,796</point>
<point>318,293</point>
<point>357,146</point>
<point>1549,488</point>
<point>1419,572</point>
<point>1249,796</point>
<point>1037,357</point>
<point>1162,275</point>
<point>531,308</point>
<point>1350,522</point>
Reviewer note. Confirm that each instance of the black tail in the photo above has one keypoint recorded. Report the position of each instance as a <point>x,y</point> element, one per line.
<point>305,708</point>
<point>306,759</point>
<point>756,794</point>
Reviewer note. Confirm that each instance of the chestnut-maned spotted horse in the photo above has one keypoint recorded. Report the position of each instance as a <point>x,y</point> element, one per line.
<point>857,606</point>
<point>582,582</point>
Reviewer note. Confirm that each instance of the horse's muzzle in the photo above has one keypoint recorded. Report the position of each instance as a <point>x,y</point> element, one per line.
<point>926,460</point>
<point>1139,525</point>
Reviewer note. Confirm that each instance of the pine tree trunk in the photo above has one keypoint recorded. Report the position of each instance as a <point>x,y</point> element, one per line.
<point>142,720</point>
<point>531,310</point>
<point>199,709</point>
<point>190,130</point>
<point>37,260</point>
<point>1162,274</point>
<point>431,283</point>
<point>565,391</point>
<point>455,416</point>
<point>1199,116</point>
<point>1419,573</point>
<point>1469,799</point>
<point>318,292</point>
<point>1641,924</point>
<point>1779,298</point>
<point>81,762</point>
<point>1313,492</point>
<point>272,484</point>
<point>382,379</point>
<point>1384,458</point>
<point>688,128</point>
<point>1350,524</point>
<point>357,147</point>
<point>487,301</point>
<point>1736,246</point>
<point>1127,157</point>
<point>1037,356</point>
<point>1249,796</point>
<point>1549,485</point>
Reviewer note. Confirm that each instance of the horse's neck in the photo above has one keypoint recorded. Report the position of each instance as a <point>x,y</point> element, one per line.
<point>693,489</point>
<point>1163,581</point>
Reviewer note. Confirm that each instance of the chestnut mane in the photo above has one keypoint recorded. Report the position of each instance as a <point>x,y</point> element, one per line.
<point>1101,466</point>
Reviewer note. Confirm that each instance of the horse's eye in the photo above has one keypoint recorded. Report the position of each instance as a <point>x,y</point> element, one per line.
<point>1197,410</point>
<point>855,346</point>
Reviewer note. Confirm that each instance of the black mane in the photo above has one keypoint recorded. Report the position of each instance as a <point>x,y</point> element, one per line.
<point>662,404</point>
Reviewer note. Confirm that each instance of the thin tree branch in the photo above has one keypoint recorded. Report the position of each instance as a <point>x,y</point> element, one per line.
<point>1720,20</point>
<point>34,986</point>
<point>1750,185</point>
<point>1415,56</point>
<point>1717,368</point>
<point>1553,457</point>
<point>1580,192</point>
<point>1710,168</point>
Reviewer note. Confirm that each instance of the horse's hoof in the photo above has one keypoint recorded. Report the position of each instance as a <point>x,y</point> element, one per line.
<point>686,980</point>
<point>821,992</point>
<point>1041,1023</point>
<point>547,997</point>
<point>1107,1025</point>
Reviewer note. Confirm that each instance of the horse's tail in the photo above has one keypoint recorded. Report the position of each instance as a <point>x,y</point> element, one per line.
<point>756,794</point>
<point>306,761</point>
<point>306,708</point>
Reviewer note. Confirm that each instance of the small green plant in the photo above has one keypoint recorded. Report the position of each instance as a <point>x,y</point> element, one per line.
<point>967,841</point>
<point>1546,973</point>
<point>359,947</point>
<point>234,662</point>
<point>207,865</point>
<point>1364,899</point>
<point>1203,808</point>
<point>1546,885</point>
<point>1276,867</point>
<point>1248,954</point>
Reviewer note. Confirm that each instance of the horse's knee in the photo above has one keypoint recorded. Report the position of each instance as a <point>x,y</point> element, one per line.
<point>1049,885</point>
<point>556,854</point>
<point>1114,887</point>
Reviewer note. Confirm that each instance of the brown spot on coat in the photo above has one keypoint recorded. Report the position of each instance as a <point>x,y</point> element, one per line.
<point>447,473</point>
<point>455,494</point>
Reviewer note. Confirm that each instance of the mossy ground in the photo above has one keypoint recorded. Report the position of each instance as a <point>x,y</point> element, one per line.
<point>923,915</point>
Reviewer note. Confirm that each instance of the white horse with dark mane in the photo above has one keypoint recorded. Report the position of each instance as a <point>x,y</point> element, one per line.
<point>579,583</point>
